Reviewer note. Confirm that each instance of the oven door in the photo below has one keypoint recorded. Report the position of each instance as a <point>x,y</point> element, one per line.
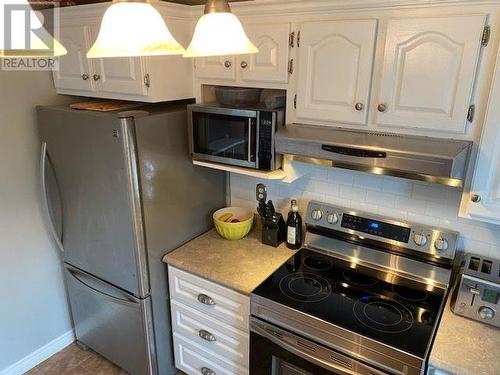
<point>225,136</point>
<point>275,351</point>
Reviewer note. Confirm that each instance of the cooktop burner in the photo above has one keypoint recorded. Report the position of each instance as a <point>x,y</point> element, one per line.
<point>383,314</point>
<point>305,287</point>
<point>357,298</point>
<point>359,279</point>
<point>409,294</point>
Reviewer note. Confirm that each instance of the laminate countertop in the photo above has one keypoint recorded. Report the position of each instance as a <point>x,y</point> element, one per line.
<point>465,347</point>
<point>240,265</point>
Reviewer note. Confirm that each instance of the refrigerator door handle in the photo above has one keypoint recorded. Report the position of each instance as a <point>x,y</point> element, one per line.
<point>126,300</point>
<point>45,202</point>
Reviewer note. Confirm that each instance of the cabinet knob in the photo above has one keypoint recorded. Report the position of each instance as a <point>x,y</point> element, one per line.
<point>206,300</point>
<point>475,198</point>
<point>85,76</point>
<point>207,371</point>
<point>244,64</point>
<point>96,77</point>
<point>227,64</point>
<point>207,336</point>
<point>382,107</point>
<point>359,106</point>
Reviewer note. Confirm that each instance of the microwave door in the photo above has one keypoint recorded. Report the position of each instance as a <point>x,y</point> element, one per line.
<point>227,139</point>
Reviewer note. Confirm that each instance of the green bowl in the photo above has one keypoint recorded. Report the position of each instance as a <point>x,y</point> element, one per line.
<point>233,231</point>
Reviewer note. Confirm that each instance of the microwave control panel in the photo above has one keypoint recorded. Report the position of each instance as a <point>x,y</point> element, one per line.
<point>267,121</point>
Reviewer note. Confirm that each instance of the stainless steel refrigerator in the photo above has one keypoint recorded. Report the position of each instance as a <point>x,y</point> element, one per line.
<point>120,191</point>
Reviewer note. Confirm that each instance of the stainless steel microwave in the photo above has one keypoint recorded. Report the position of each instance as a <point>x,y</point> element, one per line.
<point>234,136</point>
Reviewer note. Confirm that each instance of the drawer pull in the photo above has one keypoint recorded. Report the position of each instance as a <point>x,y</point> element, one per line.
<point>207,371</point>
<point>206,300</point>
<point>207,336</point>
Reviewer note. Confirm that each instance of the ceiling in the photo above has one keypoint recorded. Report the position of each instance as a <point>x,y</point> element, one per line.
<point>63,3</point>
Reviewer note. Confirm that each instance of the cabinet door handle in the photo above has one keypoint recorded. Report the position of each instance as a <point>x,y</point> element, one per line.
<point>359,106</point>
<point>244,64</point>
<point>206,300</point>
<point>382,107</point>
<point>207,371</point>
<point>207,336</point>
<point>96,77</point>
<point>85,76</point>
<point>475,198</point>
<point>227,64</point>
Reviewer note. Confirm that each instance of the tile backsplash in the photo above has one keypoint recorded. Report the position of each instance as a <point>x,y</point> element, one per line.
<point>393,197</point>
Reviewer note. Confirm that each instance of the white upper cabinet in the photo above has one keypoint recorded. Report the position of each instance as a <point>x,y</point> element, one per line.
<point>484,201</point>
<point>147,79</point>
<point>428,72</point>
<point>216,67</point>
<point>118,74</point>
<point>75,70</point>
<point>335,70</point>
<point>271,64</point>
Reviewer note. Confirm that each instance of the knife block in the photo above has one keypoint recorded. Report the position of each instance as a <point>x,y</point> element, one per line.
<point>273,231</point>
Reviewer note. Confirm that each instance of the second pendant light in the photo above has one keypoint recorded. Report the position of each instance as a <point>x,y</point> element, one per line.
<point>219,32</point>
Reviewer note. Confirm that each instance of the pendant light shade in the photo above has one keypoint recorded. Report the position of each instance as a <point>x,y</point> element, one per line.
<point>133,29</point>
<point>219,32</point>
<point>24,42</point>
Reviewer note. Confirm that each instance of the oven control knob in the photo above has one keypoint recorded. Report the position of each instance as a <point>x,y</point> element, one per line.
<point>316,214</point>
<point>486,313</point>
<point>441,244</point>
<point>332,218</point>
<point>420,239</point>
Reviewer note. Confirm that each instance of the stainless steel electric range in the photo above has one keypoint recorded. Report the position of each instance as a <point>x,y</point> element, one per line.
<point>364,296</point>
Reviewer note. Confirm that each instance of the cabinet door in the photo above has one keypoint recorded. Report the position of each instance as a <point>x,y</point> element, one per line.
<point>484,203</point>
<point>335,68</point>
<point>216,67</point>
<point>271,63</point>
<point>118,75</point>
<point>428,72</point>
<point>75,70</point>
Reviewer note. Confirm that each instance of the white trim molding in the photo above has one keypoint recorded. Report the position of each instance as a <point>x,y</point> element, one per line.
<point>41,354</point>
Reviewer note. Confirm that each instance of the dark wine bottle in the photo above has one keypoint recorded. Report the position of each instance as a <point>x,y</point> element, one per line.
<point>294,227</point>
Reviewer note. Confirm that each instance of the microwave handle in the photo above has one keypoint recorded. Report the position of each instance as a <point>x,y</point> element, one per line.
<point>250,140</point>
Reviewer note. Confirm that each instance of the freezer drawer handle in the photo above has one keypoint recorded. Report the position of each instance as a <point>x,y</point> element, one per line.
<point>207,371</point>
<point>206,300</point>
<point>106,295</point>
<point>207,336</point>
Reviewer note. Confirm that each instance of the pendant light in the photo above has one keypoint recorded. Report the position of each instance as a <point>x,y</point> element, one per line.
<point>39,43</point>
<point>219,32</point>
<point>133,28</point>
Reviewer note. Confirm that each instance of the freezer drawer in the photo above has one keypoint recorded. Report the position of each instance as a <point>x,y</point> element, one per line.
<point>112,322</point>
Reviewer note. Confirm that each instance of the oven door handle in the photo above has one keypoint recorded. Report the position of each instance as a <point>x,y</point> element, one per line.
<point>314,353</point>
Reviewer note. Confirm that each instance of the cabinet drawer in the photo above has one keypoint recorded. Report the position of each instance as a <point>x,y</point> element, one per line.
<point>228,342</point>
<point>228,306</point>
<point>192,359</point>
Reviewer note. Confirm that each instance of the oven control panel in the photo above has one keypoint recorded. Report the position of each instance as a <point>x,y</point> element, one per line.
<point>421,238</point>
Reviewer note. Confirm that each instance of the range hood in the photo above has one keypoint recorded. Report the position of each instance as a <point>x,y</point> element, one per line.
<point>420,158</point>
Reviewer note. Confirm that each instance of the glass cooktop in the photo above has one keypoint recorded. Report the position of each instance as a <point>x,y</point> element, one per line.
<point>396,312</point>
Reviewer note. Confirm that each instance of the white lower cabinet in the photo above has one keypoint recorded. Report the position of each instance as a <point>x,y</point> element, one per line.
<point>210,326</point>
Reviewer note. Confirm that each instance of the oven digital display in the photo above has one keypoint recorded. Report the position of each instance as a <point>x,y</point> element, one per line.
<point>491,296</point>
<point>376,228</point>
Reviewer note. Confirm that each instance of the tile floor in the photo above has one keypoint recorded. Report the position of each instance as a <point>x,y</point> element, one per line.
<point>72,360</point>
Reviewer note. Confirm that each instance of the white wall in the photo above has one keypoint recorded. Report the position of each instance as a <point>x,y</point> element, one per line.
<point>393,197</point>
<point>33,309</point>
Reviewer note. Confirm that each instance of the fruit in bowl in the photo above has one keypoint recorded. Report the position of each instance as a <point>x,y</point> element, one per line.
<point>233,223</point>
